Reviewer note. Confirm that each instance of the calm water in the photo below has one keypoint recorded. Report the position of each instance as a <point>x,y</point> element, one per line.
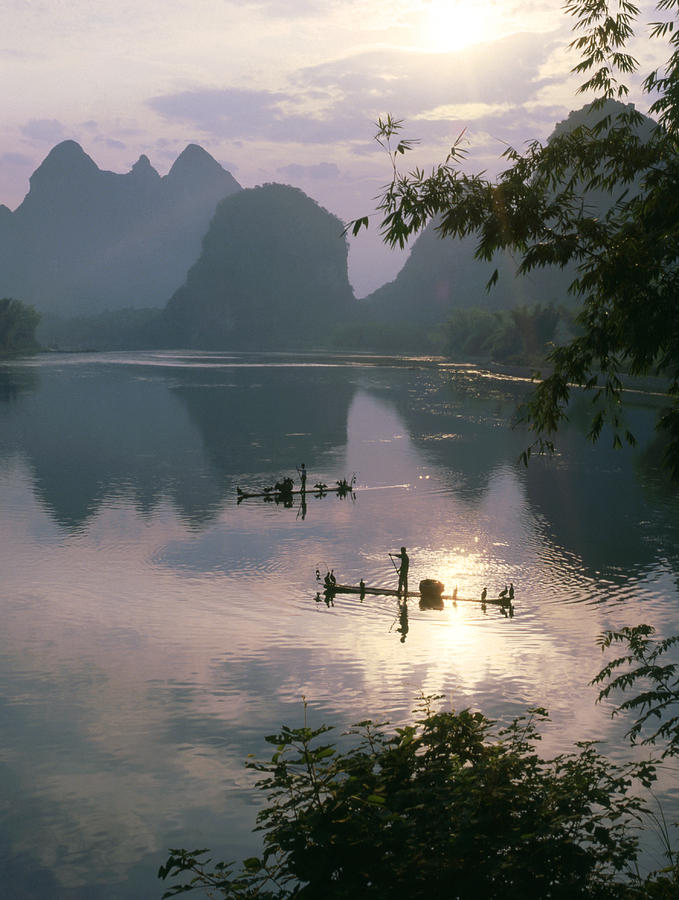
<point>155,630</point>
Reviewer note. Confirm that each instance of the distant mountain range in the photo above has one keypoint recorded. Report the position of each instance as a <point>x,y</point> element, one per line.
<point>442,275</point>
<point>219,266</point>
<point>85,240</point>
<point>272,272</point>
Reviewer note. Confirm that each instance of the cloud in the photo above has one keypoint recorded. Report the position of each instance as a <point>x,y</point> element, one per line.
<point>47,130</point>
<point>229,112</point>
<point>320,171</point>
<point>505,71</point>
<point>337,101</point>
<point>250,115</point>
<point>282,9</point>
<point>16,159</point>
<point>111,143</point>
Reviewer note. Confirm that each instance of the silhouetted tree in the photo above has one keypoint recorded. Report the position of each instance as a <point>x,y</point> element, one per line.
<point>625,251</point>
<point>451,806</point>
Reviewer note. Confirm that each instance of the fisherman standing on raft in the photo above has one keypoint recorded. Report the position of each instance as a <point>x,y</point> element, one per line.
<point>402,570</point>
<point>302,476</point>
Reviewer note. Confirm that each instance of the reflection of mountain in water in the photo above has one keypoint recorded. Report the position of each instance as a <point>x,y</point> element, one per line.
<point>601,507</point>
<point>188,433</point>
<point>92,431</point>
<point>458,420</point>
<point>268,419</point>
<point>598,506</point>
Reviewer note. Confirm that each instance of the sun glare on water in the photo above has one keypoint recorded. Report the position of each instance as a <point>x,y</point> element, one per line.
<point>450,25</point>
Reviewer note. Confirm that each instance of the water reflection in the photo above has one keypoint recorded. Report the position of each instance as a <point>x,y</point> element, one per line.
<point>92,431</point>
<point>154,630</point>
<point>591,508</point>
<point>403,627</point>
<point>596,510</point>
<point>430,596</point>
<point>265,419</point>
<point>14,383</point>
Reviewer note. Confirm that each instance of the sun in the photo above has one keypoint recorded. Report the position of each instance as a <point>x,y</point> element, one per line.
<point>450,25</point>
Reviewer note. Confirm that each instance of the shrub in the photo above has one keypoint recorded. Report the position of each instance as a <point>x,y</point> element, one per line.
<point>451,806</point>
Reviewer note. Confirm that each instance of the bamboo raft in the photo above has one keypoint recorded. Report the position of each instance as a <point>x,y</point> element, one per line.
<point>364,589</point>
<point>273,494</point>
<point>342,488</point>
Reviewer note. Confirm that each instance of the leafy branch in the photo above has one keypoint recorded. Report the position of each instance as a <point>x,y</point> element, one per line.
<point>622,249</point>
<point>657,683</point>
<point>451,799</point>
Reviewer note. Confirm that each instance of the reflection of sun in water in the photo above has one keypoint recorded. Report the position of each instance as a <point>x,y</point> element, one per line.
<point>449,25</point>
<point>456,568</point>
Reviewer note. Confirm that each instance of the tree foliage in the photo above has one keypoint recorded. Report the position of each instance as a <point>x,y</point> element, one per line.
<point>18,322</point>
<point>519,335</point>
<point>649,678</point>
<point>451,806</point>
<point>369,333</point>
<point>645,665</point>
<point>132,328</point>
<point>625,255</point>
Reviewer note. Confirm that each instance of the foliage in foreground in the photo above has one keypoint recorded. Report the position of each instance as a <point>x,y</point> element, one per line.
<point>625,253</point>
<point>455,806</point>
<point>645,668</point>
<point>452,806</point>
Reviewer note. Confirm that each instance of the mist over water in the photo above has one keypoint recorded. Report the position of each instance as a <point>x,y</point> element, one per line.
<point>155,629</point>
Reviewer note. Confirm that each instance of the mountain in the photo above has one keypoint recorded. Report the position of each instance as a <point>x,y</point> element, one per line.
<point>85,240</point>
<point>441,275</point>
<point>272,273</point>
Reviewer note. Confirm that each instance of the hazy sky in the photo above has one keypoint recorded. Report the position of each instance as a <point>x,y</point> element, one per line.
<point>283,90</point>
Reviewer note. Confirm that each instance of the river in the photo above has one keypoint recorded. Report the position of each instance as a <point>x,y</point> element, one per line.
<point>155,629</point>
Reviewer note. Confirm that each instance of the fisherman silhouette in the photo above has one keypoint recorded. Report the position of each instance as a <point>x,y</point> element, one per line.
<point>484,594</point>
<point>302,476</point>
<point>402,570</point>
